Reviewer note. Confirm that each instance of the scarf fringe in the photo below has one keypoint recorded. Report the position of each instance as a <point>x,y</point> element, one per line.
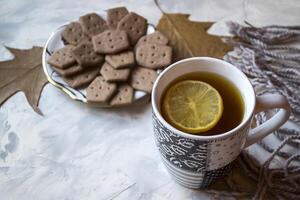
<point>264,54</point>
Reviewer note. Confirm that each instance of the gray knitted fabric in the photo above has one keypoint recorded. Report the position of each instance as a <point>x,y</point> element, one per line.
<point>267,57</point>
<point>264,56</point>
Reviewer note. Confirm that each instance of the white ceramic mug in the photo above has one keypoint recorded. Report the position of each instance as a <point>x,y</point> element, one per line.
<point>196,161</point>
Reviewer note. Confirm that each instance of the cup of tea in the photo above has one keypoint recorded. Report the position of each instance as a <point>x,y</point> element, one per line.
<point>195,160</point>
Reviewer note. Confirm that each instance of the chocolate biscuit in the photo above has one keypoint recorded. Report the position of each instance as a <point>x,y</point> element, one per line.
<point>135,26</point>
<point>114,15</point>
<point>92,24</point>
<point>143,79</point>
<point>86,56</point>
<point>62,58</point>
<point>73,34</point>
<point>114,75</point>
<point>100,91</point>
<point>153,56</point>
<point>110,41</point>
<point>121,60</point>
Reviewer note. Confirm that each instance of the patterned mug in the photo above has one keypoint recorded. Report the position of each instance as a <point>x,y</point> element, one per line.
<point>196,161</point>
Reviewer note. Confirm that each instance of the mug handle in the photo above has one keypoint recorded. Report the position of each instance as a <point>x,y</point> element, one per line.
<point>269,102</point>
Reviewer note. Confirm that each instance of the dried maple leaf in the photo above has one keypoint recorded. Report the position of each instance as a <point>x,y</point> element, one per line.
<point>23,73</point>
<point>190,38</point>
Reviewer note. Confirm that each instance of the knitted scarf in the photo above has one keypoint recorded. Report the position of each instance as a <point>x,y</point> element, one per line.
<point>267,56</point>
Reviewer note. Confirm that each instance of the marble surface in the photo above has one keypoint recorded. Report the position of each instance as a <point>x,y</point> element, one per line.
<point>78,152</point>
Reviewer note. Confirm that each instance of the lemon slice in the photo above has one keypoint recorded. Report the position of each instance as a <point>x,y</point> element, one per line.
<point>192,106</point>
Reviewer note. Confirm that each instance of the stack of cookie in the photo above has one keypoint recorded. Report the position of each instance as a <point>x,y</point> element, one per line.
<point>111,58</point>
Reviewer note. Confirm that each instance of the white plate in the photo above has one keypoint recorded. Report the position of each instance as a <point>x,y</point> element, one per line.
<point>54,43</point>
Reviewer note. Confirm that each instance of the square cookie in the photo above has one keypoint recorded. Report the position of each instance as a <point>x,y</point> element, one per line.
<point>153,56</point>
<point>110,41</point>
<point>124,96</point>
<point>92,24</point>
<point>100,91</point>
<point>153,38</point>
<point>114,75</point>
<point>114,15</point>
<point>143,79</point>
<point>135,26</point>
<point>73,34</point>
<point>62,58</point>
<point>121,60</point>
<point>82,79</point>
<point>75,69</point>
<point>85,55</point>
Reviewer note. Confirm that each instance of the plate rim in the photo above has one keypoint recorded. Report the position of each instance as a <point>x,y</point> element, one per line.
<point>49,78</point>
<point>64,88</point>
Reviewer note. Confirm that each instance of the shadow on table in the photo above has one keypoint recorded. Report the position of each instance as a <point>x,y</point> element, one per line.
<point>136,108</point>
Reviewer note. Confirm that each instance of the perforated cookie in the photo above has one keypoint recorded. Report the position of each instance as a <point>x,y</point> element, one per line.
<point>153,38</point>
<point>92,24</point>
<point>143,79</point>
<point>114,75</point>
<point>75,69</point>
<point>62,58</point>
<point>82,79</point>
<point>100,91</point>
<point>110,41</point>
<point>85,55</point>
<point>121,60</point>
<point>114,15</point>
<point>135,26</point>
<point>124,96</point>
<point>73,34</point>
<point>153,56</point>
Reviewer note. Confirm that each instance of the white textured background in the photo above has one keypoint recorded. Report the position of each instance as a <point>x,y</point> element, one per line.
<point>77,152</point>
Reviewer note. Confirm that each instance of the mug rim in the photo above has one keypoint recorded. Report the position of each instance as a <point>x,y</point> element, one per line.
<point>194,136</point>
